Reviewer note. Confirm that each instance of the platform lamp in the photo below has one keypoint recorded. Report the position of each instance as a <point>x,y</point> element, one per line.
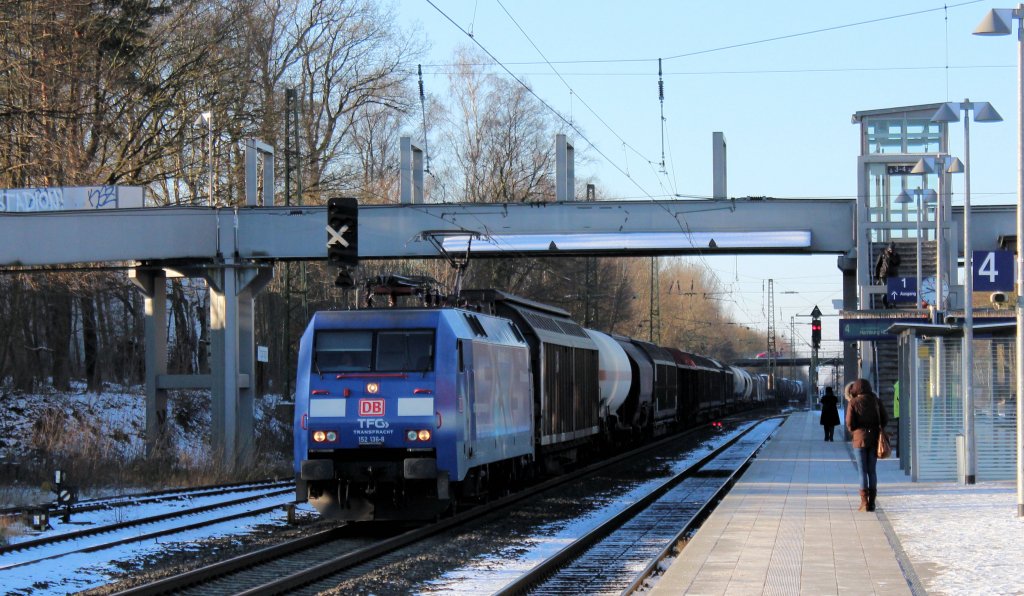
<point>983,112</point>
<point>930,165</point>
<point>921,197</point>
<point>999,21</point>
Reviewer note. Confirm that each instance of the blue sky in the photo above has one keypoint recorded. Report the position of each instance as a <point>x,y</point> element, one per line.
<point>780,80</point>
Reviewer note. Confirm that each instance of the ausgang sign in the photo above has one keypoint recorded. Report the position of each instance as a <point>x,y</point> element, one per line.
<point>69,198</point>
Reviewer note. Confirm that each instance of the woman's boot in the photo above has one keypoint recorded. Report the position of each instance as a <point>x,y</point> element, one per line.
<point>863,500</point>
<point>871,498</point>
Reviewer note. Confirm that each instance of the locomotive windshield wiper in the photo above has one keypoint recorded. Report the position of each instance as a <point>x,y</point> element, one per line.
<point>316,365</point>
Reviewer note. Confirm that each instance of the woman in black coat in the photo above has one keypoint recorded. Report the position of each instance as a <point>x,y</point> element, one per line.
<point>829,413</point>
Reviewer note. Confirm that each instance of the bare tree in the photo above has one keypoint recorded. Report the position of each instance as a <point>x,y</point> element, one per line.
<point>499,137</point>
<point>353,60</point>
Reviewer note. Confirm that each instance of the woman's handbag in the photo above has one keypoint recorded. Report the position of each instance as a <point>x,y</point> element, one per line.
<point>884,448</point>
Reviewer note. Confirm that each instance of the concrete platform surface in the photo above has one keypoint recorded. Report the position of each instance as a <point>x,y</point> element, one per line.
<point>791,526</point>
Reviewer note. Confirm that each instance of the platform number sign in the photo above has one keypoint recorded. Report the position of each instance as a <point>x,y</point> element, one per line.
<point>993,270</point>
<point>901,290</point>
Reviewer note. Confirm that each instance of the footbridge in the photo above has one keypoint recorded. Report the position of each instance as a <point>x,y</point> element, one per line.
<point>235,250</point>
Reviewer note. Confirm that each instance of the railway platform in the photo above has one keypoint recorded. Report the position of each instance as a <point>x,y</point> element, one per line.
<point>790,525</point>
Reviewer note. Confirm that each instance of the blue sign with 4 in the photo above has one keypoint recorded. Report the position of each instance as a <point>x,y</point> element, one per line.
<point>993,270</point>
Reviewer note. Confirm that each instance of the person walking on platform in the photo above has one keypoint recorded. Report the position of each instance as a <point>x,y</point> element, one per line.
<point>829,413</point>
<point>865,419</point>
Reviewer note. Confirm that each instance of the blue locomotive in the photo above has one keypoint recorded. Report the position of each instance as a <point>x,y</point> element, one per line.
<point>399,412</point>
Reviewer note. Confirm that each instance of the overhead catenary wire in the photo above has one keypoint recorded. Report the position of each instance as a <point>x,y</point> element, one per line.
<point>944,7</point>
<point>822,30</point>
<point>572,92</point>
<point>443,69</point>
<point>540,99</point>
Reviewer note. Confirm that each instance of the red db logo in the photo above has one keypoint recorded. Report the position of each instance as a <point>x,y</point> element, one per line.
<point>371,407</point>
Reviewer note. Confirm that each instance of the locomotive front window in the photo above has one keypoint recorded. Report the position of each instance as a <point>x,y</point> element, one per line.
<point>405,351</point>
<point>343,351</point>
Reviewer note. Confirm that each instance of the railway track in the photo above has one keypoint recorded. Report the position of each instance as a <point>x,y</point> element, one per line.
<point>135,500</point>
<point>121,508</point>
<point>141,519</point>
<point>340,555</point>
<point>605,559</point>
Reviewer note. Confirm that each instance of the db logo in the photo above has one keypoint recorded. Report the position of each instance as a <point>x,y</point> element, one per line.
<point>371,407</point>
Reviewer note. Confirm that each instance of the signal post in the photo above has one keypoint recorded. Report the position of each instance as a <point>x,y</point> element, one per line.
<point>815,345</point>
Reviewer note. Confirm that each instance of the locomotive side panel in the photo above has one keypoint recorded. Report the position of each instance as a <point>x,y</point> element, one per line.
<point>300,421</point>
<point>498,404</point>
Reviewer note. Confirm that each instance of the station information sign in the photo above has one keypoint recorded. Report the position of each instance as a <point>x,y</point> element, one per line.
<point>870,329</point>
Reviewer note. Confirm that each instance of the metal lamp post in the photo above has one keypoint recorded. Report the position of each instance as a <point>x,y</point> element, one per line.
<point>999,21</point>
<point>938,165</point>
<point>932,165</point>
<point>983,112</point>
<point>908,196</point>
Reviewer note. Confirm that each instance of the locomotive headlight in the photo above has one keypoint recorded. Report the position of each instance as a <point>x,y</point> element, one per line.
<point>332,436</point>
<point>417,435</point>
<point>319,436</point>
<point>372,388</point>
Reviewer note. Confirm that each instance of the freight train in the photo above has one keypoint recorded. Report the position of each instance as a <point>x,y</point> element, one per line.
<point>402,412</point>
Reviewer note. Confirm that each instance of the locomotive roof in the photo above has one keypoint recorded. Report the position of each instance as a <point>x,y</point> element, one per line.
<point>493,296</point>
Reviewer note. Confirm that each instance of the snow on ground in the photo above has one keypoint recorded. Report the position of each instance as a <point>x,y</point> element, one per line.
<point>119,413</point>
<point>961,539</point>
<point>76,572</point>
<point>109,427</point>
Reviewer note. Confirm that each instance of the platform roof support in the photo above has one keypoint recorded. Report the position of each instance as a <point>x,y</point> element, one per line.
<point>152,283</point>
